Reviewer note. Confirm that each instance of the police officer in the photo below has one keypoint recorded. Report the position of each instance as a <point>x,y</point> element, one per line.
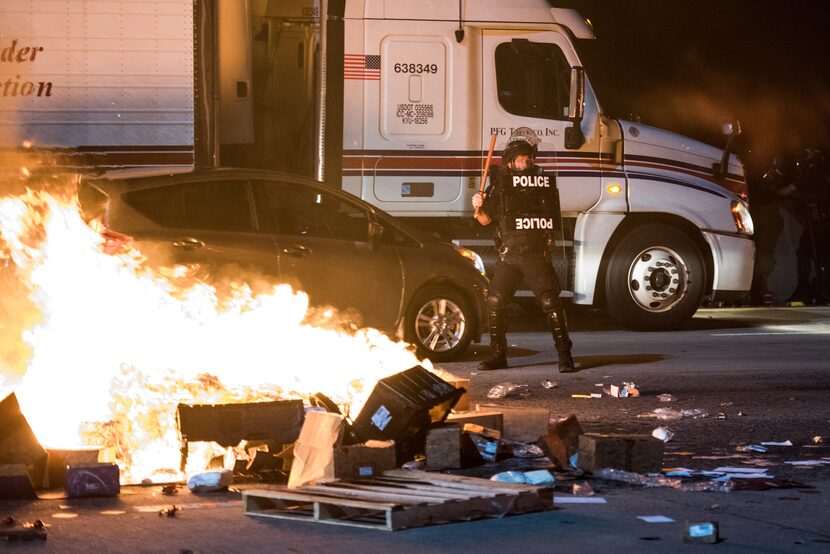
<point>524,203</point>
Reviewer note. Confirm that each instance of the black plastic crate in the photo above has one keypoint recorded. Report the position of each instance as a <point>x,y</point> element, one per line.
<point>403,405</point>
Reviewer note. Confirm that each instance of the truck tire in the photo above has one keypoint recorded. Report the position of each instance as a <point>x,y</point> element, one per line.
<point>440,323</point>
<point>655,278</point>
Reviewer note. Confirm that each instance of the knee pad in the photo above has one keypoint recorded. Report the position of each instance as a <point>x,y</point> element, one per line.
<point>495,301</point>
<point>550,301</point>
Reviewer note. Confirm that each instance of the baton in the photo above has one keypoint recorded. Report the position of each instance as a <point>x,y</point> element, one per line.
<point>486,168</point>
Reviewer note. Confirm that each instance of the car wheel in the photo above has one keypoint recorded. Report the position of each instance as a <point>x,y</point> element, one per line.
<point>655,278</point>
<point>440,324</point>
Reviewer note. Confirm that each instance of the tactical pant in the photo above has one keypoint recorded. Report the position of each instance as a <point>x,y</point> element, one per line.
<point>540,276</point>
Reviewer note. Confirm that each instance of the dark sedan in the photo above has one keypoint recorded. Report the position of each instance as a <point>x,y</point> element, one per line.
<point>338,249</point>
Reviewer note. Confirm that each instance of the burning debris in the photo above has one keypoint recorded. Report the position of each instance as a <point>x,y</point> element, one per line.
<point>100,347</point>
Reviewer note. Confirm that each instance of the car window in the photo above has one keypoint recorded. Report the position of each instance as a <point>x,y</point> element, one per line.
<point>217,206</point>
<point>305,211</point>
<point>161,205</point>
<point>533,79</point>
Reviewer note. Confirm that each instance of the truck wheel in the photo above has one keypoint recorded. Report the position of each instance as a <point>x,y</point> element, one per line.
<point>440,324</point>
<point>655,278</point>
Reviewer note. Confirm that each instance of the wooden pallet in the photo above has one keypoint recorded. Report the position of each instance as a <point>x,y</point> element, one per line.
<point>398,500</point>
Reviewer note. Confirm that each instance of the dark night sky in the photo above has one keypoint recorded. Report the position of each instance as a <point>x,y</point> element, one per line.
<point>687,66</point>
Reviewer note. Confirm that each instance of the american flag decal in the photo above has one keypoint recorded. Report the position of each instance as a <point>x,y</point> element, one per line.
<point>361,68</point>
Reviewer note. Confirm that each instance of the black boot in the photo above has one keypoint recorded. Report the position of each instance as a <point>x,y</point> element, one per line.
<point>558,325</point>
<point>498,342</point>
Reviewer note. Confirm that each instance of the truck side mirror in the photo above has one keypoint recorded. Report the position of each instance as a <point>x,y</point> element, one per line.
<point>730,130</point>
<point>576,109</point>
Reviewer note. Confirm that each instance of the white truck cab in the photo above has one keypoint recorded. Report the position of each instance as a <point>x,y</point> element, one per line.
<point>653,225</point>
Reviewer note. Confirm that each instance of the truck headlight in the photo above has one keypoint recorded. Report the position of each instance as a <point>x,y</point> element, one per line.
<point>743,221</point>
<point>473,257</point>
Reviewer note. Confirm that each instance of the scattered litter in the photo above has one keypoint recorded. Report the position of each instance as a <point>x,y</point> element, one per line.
<point>583,489</point>
<point>809,463</point>
<point>548,384</point>
<point>169,512</point>
<point>818,439</point>
<point>210,481</point>
<point>721,415</point>
<point>29,531</point>
<point>559,499</point>
<point>670,413</point>
<point>170,490</point>
<point>677,472</point>
<point>526,450</point>
<point>415,465</point>
<point>701,532</point>
<point>592,395</point>
<point>663,433</point>
<point>626,390</point>
<point>773,443</point>
<point>508,390</point>
<point>726,403</point>
<point>751,448</point>
<point>663,481</point>
<point>739,470</point>
<point>740,414</point>
<point>656,519</point>
<point>538,477</point>
<point>509,477</point>
<point>665,397</point>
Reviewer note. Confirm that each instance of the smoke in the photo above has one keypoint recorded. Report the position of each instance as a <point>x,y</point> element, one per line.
<point>776,118</point>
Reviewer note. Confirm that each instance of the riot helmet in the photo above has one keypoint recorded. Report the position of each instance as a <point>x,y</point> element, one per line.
<point>523,142</point>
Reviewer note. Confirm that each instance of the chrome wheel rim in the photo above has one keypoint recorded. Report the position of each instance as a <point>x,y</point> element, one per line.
<point>658,279</point>
<point>440,325</point>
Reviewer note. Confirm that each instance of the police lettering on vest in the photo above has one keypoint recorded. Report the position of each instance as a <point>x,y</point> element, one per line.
<point>523,223</point>
<point>531,181</point>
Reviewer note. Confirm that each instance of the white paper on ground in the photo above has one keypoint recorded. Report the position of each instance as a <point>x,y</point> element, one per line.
<point>656,519</point>
<point>808,462</point>
<point>773,443</point>
<point>729,476</point>
<point>579,500</point>
<point>741,469</point>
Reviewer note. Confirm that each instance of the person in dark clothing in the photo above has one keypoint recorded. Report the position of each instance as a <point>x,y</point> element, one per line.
<point>524,203</point>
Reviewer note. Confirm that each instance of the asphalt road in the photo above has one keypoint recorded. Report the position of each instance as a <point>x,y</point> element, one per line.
<point>770,365</point>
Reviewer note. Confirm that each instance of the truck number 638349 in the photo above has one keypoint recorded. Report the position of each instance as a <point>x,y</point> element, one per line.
<point>416,68</point>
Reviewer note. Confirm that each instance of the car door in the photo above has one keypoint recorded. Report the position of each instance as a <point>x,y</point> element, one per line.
<point>209,222</point>
<point>325,250</point>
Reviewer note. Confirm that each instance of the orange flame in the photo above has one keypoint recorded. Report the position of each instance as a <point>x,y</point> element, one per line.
<point>115,346</point>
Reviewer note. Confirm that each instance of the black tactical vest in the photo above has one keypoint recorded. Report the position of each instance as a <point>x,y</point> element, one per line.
<point>529,206</point>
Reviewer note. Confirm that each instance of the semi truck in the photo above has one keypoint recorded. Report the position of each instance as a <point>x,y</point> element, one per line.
<point>394,102</point>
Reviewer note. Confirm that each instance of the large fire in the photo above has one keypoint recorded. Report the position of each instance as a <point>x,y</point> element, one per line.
<point>100,348</point>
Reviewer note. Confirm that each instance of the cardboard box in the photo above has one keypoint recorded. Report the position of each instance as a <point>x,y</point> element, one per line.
<point>562,441</point>
<point>18,444</point>
<point>363,460</point>
<point>15,483</point>
<point>60,458</point>
<point>449,447</point>
<point>524,424</point>
<point>463,403</point>
<point>637,453</point>
<point>491,419</point>
<point>92,480</point>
